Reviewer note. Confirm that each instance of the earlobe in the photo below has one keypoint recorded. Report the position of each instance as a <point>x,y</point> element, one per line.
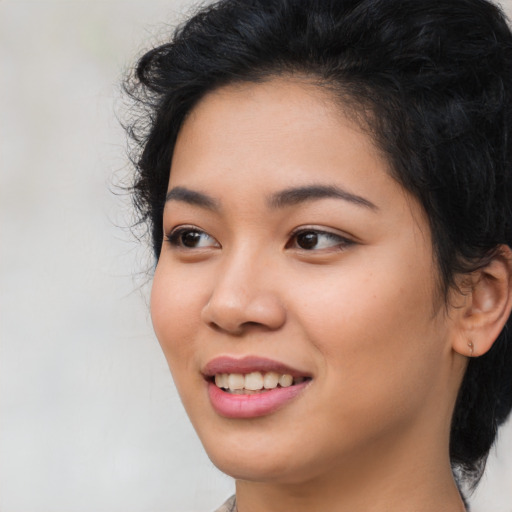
<point>487,305</point>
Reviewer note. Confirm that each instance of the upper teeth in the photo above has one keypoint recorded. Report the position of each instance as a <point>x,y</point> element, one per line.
<point>254,381</point>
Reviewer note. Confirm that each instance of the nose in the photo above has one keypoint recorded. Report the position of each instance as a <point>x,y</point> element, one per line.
<point>244,296</point>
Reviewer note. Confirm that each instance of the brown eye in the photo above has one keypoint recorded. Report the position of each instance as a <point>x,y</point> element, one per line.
<point>190,238</point>
<point>307,240</point>
<point>317,240</point>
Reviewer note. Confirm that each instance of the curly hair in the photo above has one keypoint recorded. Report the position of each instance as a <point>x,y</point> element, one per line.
<point>430,80</point>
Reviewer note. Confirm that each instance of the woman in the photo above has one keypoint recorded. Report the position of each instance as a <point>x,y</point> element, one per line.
<point>327,188</point>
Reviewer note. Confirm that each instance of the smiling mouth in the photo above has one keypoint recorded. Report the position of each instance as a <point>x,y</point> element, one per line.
<point>254,382</point>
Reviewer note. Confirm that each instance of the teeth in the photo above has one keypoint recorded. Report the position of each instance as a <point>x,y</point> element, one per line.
<point>270,380</point>
<point>236,381</point>
<point>221,380</point>
<point>254,381</point>
<point>285,380</point>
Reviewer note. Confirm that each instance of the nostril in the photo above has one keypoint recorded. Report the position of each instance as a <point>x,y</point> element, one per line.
<point>224,328</point>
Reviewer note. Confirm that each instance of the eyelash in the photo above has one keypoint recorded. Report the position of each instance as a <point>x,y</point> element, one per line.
<point>340,242</point>
<point>175,238</point>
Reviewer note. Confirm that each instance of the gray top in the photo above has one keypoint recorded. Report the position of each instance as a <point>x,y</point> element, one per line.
<point>228,506</point>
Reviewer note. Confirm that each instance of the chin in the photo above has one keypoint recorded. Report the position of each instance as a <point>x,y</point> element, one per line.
<point>247,462</point>
<point>257,469</point>
<point>261,461</point>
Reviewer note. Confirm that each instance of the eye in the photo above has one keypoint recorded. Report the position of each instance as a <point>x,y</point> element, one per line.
<point>191,238</point>
<point>316,240</point>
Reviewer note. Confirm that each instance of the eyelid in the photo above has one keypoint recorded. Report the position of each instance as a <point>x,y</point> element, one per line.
<point>344,239</point>
<point>172,237</point>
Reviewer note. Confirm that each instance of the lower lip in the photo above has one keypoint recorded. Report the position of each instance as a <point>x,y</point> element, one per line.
<point>232,405</point>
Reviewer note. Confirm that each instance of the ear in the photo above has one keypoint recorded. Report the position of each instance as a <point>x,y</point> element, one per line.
<point>486,305</point>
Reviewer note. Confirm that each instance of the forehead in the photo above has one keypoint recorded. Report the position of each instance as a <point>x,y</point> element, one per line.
<point>286,130</point>
<point>294,99</point>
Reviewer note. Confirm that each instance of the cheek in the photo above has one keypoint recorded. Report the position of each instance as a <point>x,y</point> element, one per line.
<point>176,304</point>
<point>376,335</point>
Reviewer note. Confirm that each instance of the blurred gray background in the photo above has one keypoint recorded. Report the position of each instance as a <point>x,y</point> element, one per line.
<point>89,418</point>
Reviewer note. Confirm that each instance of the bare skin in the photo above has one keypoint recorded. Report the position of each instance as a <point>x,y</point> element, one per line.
<point>342,287</point>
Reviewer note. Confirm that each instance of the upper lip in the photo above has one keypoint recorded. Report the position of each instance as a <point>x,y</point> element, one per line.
<point>248,364</point>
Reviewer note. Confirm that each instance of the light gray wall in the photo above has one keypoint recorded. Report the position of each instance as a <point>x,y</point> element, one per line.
<point>90,421</point>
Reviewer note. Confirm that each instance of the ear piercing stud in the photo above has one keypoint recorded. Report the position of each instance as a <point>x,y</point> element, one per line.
<point>471,347</point>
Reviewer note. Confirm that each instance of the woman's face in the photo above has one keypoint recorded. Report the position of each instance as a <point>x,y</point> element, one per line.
<point>289,250</point>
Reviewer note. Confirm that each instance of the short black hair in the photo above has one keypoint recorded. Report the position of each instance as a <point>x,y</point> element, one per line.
<point>433,81</point>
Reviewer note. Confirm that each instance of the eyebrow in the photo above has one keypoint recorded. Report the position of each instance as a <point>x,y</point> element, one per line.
<point>282,199</point>
<point>297,195</point>
<point>192,197</point>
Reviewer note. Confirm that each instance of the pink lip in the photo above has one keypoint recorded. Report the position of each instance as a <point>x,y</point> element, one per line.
<point>226,364</point>
<point>250,406</point>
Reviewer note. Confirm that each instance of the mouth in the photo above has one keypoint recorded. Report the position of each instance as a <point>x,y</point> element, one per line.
<point>254,382</point>
<point>252,386</point>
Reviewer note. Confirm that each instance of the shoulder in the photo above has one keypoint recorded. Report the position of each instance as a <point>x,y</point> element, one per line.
<point>228,506</point>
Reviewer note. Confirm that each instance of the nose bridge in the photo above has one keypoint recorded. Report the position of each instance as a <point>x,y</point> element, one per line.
<point>239,274</point>
<point>244,292</point>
